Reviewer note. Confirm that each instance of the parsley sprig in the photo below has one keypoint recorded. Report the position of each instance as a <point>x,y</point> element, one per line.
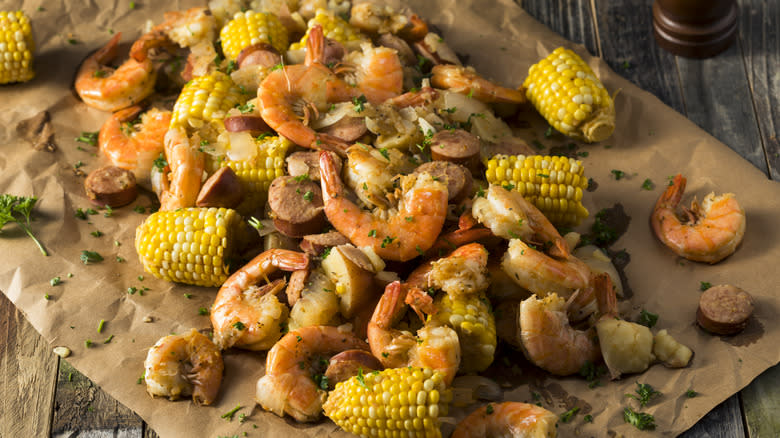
<point>18,209</point>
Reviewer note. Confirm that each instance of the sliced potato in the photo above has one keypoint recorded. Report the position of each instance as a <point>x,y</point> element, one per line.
<point>352,273</point>
<point>627,347</point>
<point>599,262</point>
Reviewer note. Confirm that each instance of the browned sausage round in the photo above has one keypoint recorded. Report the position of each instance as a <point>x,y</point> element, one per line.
<point>308,163</point>
<point>724,309</point>
<point>111,186</point>
<point>296,206</point>
<point>315,244</point>
<point>348,129</point>
<point>259,54</point>
<point>459,180</point>
<point>222,189</point>
<point>346,364</point>
<point>246,122</point>
<point>458,146</point>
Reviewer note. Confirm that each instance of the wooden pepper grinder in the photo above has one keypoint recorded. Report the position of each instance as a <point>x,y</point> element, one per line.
<point>695,28</point>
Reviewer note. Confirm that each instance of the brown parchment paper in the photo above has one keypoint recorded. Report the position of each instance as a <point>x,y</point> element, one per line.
<point>651,141</point>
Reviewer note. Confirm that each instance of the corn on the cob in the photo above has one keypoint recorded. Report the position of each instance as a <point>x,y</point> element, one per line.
<point>256,173</point>
<point>206,98</point>
<point>333,27</point>
<point>471,318</point>
<point>250,27</point>
<point>570,97</point>
<point>396,402</point>
<point>16,47</point>
<point>191,246</point>
<point>553,184</point>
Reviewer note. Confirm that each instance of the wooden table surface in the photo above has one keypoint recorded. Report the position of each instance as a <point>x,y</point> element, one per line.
<point>734,96</point>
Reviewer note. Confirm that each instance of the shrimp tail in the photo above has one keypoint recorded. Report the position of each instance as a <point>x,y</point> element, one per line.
<point>673,194</point>
<point>420,302</point>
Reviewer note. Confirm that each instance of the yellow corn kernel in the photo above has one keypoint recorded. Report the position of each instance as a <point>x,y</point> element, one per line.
<point>471,318</point>
<point>249,28</point>
<point>333,27</point>
<point>16,47</point>
<point>204,99</point>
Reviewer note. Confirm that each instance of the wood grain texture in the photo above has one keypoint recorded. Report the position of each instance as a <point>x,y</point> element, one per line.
<point>759,38</point>
<point>625,31</point>
<point>709,87</point>
<point>81,409</point>
<point>725,421</point>
<point>27,375</point>
<point>761,403</point>
<point>572,19</point>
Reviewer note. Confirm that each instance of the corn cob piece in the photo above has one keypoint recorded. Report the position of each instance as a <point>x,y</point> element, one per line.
<point>16,47</point>
<point>191,245</point>
<point>204,99</point>
<point>570,97</point>
<point>396,402</point>
<point>333,27</point>
<point>471,318</point>
<point>250,27</point>
<point>256,174</point>
<point>553,184</point>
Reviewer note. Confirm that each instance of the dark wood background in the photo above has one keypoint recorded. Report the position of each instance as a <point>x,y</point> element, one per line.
<point>733,96</point>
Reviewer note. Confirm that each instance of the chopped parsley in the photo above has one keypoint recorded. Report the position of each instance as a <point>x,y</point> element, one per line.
<point>647,319</point>
<point>248,108</point>
<point>568,415</point>
<point>639,420</point>
<point>489,409</point>
<point>704,285</point>
<point>88,137</point>
<point>549,132</point>
<point>203,311</point>
<point>88,257</point>
<point>18,209</point>
<point>302,178</point>
<point>55,281</point>
<point>372,233</point>
<point>618,174</point>
<point>96,233</point>
<point>387,241</point>
<point>361,379</point>
<point>691,393</point>
<point>644,393</point>
<point>160,163</point>
<point>359,103</point>
<point>229,414</point>
<point>322,381</point>
<point>648,184</point>
<point>239,325</point>
<point>308,196</point>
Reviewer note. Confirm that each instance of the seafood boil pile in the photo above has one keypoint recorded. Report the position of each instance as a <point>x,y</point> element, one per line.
<point>371,222</point>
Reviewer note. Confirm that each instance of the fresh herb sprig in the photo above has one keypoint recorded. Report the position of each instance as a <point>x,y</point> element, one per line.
<point>18,209</point>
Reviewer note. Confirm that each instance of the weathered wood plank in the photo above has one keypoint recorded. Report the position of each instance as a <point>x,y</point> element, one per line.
<point>572,19</point>
<point>761,403</point>
<point>625,31</point>
<point>83,410</point>
<point>27,374</point>
<point>725,421</point>
<point>760,40</point>
<point>149,432</point>
<point>709,87</point>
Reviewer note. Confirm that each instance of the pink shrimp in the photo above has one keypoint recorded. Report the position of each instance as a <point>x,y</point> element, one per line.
<point>508,419</point>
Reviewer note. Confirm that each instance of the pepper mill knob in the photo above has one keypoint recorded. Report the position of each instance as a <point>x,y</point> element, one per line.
<point>695,28</point>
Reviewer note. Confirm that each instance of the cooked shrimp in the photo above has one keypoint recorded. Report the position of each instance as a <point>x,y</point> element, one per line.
<point>404,235</point>
<point>186,162</point>
<point>107,89</point>
<point>462,272</point>
<point>550,342</point>
<point>249,317</point>
<point>378,19</point>
<point>289,95</point>
<point>437,348</point>
<point>375,71</point>
<point>287,386</point>
<point>465,80</point>
<point>714,228</point>
<point>510,420</point>
<point>134,146</point>
<point>541,274</point>
<point>182,365</point>
<point>371,173</point>
<point>509,215</point>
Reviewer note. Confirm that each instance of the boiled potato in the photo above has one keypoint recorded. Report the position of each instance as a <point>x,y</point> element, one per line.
<point>353,274</point>
<point>627,347</point>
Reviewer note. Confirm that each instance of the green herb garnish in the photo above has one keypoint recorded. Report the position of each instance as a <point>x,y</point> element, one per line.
<point>18,209</point>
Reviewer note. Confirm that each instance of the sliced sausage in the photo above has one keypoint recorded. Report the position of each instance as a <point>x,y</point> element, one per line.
<point>457,146</point>
<point>111,186</point>
<point>346,364</point>
<point>332,52</point>
<point>296,206</point>
<point>222,189</point>
<point>296,285</point>
<point>246,122</point>
<point>348,129</point>
<point>315,244</point>
<point>459,179</point>
<point>724,309</point>
<point>262,54</point>
<point>308,163</point>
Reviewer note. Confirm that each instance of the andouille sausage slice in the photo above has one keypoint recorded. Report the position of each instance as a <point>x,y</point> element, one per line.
<point>296,285</point>
<point>724,309</point>
<point>262,54</point>
<point>296,205</point>
<point>459,179</point>
<point>314,244</point>
<point>348,129</point>
<point>111,186</point>
<point>308,163</point>
<point>457,146</point>
<point>346,364</point>
<point>221,189</point>
<point>246,122</point>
